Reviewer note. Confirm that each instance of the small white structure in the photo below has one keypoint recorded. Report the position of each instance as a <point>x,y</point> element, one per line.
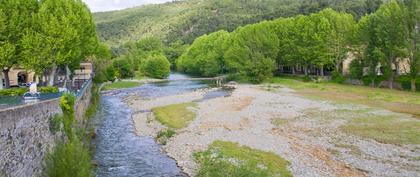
<point>33,88</point>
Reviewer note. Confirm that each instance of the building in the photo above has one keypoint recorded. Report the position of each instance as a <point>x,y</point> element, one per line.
<point>403,67</point>
<point>19,76</point>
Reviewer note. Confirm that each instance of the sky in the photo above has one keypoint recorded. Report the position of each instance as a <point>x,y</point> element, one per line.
<point>108,5</point>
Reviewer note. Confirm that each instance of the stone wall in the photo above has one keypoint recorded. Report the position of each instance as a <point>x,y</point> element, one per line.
<point>25,136</point>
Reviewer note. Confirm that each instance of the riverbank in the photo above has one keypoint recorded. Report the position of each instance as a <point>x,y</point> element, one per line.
<point>315,136</point>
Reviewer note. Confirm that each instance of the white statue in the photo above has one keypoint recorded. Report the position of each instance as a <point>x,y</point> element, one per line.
<point>33,88</point>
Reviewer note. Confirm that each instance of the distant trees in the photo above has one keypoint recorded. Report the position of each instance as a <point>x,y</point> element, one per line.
<point>205,56</point>
<point>319,41</point>
<point>156,66</point>
<point>251,52</point>
<point>44,36</point>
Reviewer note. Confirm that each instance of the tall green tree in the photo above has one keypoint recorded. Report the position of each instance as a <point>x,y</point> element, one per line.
<point>205,56</point>
<point>412,15</point>
<point>252,51</point>
<point>15,18</point>
<point>391,30</point>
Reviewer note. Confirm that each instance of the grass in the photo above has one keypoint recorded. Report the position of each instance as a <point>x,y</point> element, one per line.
<point>279,122</point>
<point>385,129</point>
<point>230,159</point>
<point>120,85</point>
<point>394,100</point>
<point>164,135</point>
<point>175,116</point>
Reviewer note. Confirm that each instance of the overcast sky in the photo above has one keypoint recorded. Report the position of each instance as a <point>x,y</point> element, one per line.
<point>107,5</point>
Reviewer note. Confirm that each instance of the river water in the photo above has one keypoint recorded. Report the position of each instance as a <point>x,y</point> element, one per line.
<point>119,151</point>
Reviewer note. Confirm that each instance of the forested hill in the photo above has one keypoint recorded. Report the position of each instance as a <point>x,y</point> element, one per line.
<point>186,20</point>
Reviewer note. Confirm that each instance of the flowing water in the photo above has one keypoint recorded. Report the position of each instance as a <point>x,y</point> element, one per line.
<point>119,151</point>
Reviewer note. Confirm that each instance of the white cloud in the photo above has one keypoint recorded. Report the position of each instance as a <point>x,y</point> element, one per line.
<point>107,5</point>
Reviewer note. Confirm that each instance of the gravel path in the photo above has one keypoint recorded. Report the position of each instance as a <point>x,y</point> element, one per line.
<point>313,145</point>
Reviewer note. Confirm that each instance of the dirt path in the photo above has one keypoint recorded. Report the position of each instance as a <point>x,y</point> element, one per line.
<point>313,145</point>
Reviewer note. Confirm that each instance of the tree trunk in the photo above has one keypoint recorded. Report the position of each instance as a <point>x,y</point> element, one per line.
<point>372,83</point>
<point>51,77</point>
<point>322,70</point>
<point>67,76</point>
<point>391,81</point>
<point>306,70</point>
<point>6,78</point>
<point>413,85</point>
<point>293,70</point>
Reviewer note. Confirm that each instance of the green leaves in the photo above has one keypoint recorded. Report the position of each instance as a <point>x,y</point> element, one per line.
<point>156,66</point>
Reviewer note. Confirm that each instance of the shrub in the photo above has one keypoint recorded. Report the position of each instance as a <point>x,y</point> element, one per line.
<point>306,79</point>
<point>356,69</point>
<point>55,123</point>
<point>337,77</point>
<point>13,92</point>
<point>164,135</point>
<point>122,68</point>
<point>67,106</point>
<point>405,82</point>
<point>49,89</point>
<point>68,160</point>
<point>156,66</point>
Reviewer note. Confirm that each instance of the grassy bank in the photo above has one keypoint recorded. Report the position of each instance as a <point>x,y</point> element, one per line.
<point>120,85</point>
<point>230,159</point>
<point>175,116</point>
<point>394,100</point>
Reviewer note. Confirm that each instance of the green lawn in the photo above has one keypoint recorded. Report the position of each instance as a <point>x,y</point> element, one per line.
<point>394,100</point>
<point>175,116</point>
<point>230,159</point>
<point>385,129</point>
<point>120,85</point>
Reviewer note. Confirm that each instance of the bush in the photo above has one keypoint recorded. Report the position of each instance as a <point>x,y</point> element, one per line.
<point>306,79</point>
<point>68,160</point>
<point>156,66</point>
<point>67,106</point>
<point>164,135</point>
<point>356,69</point>
<point>337,77</point>
<point>405,82</point>
<point>13,92</point>
<point>122,68</point>
<point>367,80</point>
<point>49,89</point>
<point>55,123</point>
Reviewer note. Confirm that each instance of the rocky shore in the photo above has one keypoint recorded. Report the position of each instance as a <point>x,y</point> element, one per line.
<point>313,144</point>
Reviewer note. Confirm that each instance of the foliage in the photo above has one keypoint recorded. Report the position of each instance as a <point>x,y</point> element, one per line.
<point>164,135</point>
<point>48,89</point>
<point>156,66</point>
<point>386,129</point>
<point>356,69</point>
<point>175,116</point>
<point>187,20</point>
<point>122,68</point>
<point>251,52</point>
<point>67,101</point>
<point>13,92</point>
<point>120,85</point>
<point>231,159</point>
<point>70,159</point>
<point>405,82</point>
<point>337,77</point>
<point>174,50</point>
<point>205,56</point>
<point>55,123</point>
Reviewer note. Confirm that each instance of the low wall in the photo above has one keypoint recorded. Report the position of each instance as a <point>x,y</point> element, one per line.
<point>25,136</point>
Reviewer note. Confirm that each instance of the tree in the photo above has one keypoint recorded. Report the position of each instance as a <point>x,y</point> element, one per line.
<point>205,56</point>
<point>412,11</point>
<point>15,19</point>
<point>391,30</point>
<point>252,51</point>
<point>156,66</point>
<point>174,50</point>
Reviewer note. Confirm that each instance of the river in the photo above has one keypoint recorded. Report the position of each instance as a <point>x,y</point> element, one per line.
<point>119,151</point>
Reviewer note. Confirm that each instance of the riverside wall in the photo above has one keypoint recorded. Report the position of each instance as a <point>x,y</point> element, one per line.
<point>25,135</point>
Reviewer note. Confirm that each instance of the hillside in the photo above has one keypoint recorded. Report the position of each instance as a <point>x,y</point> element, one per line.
<point>186,20</point>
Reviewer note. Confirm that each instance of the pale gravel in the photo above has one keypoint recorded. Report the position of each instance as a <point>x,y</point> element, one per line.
<point>306,142</point>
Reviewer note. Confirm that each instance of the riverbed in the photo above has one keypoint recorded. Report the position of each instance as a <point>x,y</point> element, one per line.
<point>119,150</point>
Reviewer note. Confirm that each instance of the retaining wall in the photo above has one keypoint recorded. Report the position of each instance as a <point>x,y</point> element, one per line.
<point>25,136</point>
